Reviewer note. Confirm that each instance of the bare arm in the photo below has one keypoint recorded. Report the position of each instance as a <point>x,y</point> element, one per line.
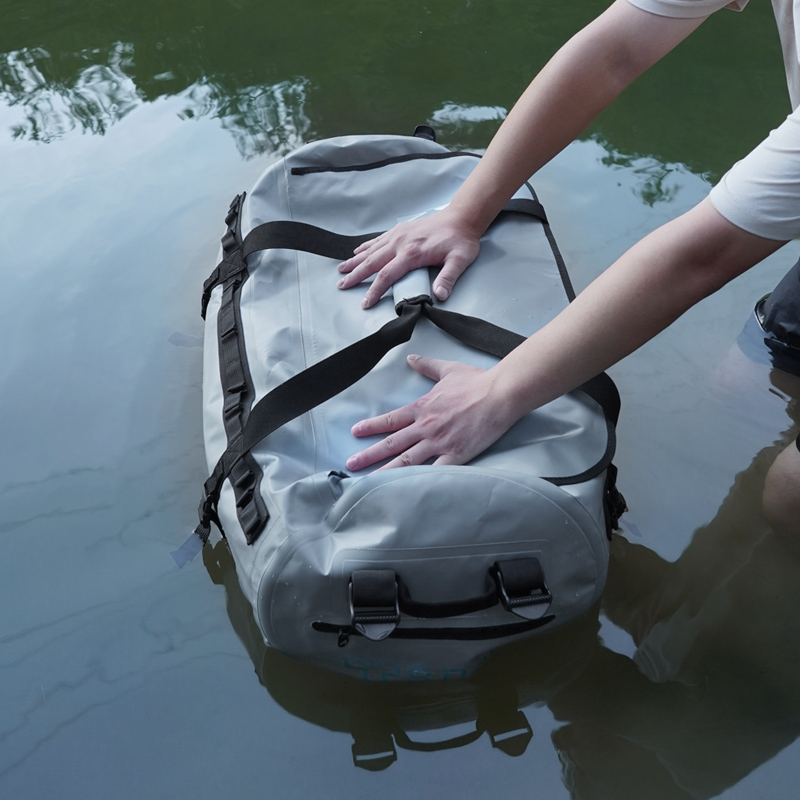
<point>584,76</point>
<point>639,295</point>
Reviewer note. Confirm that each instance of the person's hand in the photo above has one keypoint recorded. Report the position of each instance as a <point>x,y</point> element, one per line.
<point>458,419</point>
<point>438,240</point>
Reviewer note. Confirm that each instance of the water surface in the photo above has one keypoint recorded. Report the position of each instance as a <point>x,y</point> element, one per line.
<point>124,132</point>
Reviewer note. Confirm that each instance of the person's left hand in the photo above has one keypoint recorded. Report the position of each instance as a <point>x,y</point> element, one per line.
<point>458,419</point>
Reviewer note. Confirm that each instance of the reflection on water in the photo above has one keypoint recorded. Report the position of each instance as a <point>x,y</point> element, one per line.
<point>456,120</point>
<point>370,66</point>
<point>97,96</point>
<point>261,119</point>
<point>712,691</point>
<point>657,180</point>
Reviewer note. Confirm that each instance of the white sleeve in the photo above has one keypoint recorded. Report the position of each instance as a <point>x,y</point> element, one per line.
<point>687,8</point>
<point>761,193</point>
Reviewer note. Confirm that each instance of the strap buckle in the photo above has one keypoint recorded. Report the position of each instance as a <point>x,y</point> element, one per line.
<point>374,607</point>
<point>522,587</point>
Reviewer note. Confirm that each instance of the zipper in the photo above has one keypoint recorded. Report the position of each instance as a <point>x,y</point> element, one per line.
<point>382,163</point>
<point>452,634</point>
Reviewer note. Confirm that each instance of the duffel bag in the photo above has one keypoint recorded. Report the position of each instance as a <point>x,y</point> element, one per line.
<point>406,572</point>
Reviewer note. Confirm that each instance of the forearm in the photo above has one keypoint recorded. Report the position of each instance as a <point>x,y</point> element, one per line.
<point>586,74</point>
<point>578,82</point>
<point>646,290</point>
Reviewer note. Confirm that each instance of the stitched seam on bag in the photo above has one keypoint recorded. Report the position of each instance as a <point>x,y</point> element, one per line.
<point>417,548</point>
<point>286,176</point>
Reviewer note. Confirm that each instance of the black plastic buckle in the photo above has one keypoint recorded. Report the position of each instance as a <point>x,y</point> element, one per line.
<point>523,590</point>
<point>207,514</point>
<point>374,606</point>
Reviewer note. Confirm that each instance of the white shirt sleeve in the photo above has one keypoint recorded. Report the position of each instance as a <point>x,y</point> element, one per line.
<point>687,8</point>
<point>761,193</point>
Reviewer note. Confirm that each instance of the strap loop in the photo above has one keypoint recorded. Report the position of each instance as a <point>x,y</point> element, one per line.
<point>512,733</point>
<point>522,587</point>
<point>374,611</point>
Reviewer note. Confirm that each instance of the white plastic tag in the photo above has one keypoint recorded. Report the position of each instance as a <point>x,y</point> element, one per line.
<point>187,551</point>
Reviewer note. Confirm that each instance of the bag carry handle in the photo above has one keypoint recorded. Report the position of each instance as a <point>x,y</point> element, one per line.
<point>292,235</point>
<point>378,596</point>
<point>407,743</point>
<point>512,736</point>
<point>377,752</point>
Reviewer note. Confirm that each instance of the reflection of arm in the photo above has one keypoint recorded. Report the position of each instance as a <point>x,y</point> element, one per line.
<point>584,76</point>
<point>782,493</point>
<point>713,691</point>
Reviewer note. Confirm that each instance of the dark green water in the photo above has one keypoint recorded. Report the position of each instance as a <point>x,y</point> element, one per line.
<point>125,129</point>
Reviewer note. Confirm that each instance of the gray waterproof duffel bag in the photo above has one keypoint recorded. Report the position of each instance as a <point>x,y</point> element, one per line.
<point>409,573</point>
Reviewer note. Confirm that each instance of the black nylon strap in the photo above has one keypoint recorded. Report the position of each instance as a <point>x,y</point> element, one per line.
<point>333,375</point>
<point>326,379</point>
<point>376,594</point>
<point>522,205</point>
<point>290,235</point>
<point>473,332</point>
<point>499,342</point>
<point>301,393</point>
<point>605,393</point>
<point>521,584</point>
<point>373,589</point>
<point>521,577</point>
<point>282,235</point>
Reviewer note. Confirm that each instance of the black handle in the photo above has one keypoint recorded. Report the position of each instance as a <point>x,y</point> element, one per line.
<point>448,608</point>
<point>404,740</point>
<point>377,596</point>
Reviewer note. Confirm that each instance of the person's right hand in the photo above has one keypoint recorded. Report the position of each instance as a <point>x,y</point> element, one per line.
<point>437,240</point>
